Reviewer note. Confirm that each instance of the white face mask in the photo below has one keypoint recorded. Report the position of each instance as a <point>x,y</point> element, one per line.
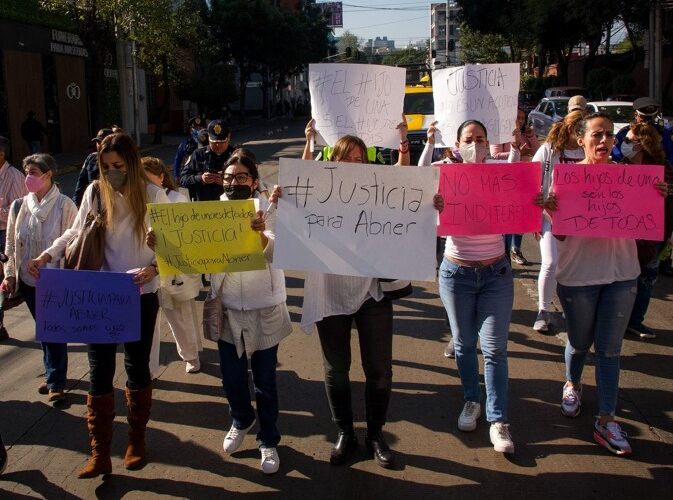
<point>629,150</point>
<point>474,152</point>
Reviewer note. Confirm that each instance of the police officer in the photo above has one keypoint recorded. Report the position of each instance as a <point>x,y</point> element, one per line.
<point>646,111</point>
<point>195,126</point>
<point>202,174</point>
<point>89,171</point>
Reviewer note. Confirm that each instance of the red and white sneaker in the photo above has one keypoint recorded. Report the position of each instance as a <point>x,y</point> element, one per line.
<point>612,437</point>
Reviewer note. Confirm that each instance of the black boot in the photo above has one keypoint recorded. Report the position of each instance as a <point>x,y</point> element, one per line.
<point>376,445</point>
<point>345,445</point>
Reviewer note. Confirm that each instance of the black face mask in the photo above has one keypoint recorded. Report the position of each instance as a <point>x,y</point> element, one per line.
<point>238,191</point>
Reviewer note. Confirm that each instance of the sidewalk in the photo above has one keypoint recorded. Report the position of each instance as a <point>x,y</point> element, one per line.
<point>555,456</point>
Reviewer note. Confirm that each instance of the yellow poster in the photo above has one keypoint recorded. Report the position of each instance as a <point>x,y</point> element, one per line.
<point>205,237</point>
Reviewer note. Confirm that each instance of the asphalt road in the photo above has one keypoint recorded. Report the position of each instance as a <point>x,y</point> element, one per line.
<point>555,456</point>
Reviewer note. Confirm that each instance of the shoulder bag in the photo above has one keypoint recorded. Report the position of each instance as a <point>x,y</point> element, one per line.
<point>86,250</point>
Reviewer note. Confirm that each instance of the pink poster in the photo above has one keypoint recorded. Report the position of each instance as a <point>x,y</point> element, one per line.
<point>617,201</point>
<point>489,198</point>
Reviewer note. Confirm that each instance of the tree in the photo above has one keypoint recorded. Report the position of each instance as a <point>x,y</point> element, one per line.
<point>482,48</point>
<point>161,29</point>
<point>406,56</point>
<point>349,40</point>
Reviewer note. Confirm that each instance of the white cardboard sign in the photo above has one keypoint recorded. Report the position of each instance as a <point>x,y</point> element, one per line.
<point>364,100</point>
<point>488,93</point>
<point>357,220</point>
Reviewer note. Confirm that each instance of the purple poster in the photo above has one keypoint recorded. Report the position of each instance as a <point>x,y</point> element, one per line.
<point>87,307</point>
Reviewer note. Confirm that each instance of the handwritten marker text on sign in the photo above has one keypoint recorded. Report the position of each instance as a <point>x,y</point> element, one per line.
<point>206,237</point>
<point>356,220</point>
<point>88,307</point>
<point>609,201</point>
<point>357,99</point>
<point>490,198</point>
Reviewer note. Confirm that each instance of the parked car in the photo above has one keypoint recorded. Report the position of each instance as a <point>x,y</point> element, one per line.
<point>622,97</point>
<point>621,112</point>
<point>528,100</point>
<point>566,92</point>
<point>549,111</point>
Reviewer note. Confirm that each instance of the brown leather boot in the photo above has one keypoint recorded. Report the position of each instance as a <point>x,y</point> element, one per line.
<point>138,404</point>
<point>100,413</point>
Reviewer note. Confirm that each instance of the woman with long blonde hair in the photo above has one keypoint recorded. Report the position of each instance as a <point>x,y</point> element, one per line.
<point>124,193</point>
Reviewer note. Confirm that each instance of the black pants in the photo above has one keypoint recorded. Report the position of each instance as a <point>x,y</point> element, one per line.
<point>136,354</point>
<point>374,322</point>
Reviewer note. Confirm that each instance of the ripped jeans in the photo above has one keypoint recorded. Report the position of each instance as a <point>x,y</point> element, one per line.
<point>597,314</point>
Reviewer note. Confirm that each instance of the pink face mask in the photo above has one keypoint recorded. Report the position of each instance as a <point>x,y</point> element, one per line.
<point>34,183</point>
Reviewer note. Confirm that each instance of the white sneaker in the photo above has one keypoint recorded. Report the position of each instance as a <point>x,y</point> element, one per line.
<point>571,403</point>
<point>501,438</point>
<point>467,421</point>
<point>270,460</point>
<point>234,438</point>
<point>541,322</point>
<point>193,366</point>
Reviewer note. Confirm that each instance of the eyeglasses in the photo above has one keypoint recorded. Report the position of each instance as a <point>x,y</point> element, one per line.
<point>241,178</point>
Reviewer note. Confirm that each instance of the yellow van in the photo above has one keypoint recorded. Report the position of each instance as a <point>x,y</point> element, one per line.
<point>419,110</point>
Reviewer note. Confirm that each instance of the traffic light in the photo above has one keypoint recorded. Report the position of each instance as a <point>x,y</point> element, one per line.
<point>452,45</point>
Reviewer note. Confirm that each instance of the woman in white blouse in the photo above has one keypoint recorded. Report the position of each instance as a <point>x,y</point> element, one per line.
<point>177,293</point>
<point>124,193</point>
<point>35,221</point>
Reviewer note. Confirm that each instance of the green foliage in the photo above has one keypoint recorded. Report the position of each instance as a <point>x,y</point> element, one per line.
<point>483,48</point>
<point>407,56</point>
<point>348,39</point>
<point>538,84</point>
<point>211,87</point>
<point>29,11</point>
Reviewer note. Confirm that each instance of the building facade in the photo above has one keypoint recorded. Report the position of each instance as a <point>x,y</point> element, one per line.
<point>445,34</point>
<point>43,71</point>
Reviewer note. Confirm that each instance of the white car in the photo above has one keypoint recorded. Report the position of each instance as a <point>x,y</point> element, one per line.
<point>621,112</point>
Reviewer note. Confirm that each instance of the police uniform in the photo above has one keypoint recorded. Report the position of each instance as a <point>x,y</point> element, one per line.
<point>646,106</point>
<point>205,160</point>
<point>188,146</point>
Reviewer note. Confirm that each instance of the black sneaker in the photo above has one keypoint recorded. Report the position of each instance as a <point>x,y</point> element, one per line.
<point>642,331</point>
<point>518,257</point>
<point>3,334</point>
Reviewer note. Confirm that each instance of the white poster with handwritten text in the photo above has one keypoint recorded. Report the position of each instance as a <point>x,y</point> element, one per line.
<point>364,100</point>
<point>357,220</point>
<point>488,93</point>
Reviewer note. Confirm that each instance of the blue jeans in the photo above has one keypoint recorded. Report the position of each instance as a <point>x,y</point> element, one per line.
<point>54,355</point>
<point>512,242</point>
<point>597,314</point>
<point>646,281</point>
<point>479,304</point>
<point>235,382</point>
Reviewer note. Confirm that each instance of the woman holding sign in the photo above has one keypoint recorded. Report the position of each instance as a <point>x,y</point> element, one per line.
<point>333,303</point>
<point>124,194</point>
<point>257,319</point>
<point>35,221</point>
<point>597,287</point>
<point>176,293</point>
<point>477,290</point>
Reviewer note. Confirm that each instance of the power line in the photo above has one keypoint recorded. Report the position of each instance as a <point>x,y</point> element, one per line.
<point>383,24</point>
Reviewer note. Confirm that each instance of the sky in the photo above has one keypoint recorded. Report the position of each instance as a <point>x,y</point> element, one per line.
<point>402,21</point>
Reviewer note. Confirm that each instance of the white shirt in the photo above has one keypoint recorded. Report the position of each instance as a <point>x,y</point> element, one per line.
<point>596,261</point>
<point>123,251</point>
<point>332,294</point>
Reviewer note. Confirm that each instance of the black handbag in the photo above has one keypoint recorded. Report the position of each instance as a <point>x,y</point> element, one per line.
<point>395,289</point>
